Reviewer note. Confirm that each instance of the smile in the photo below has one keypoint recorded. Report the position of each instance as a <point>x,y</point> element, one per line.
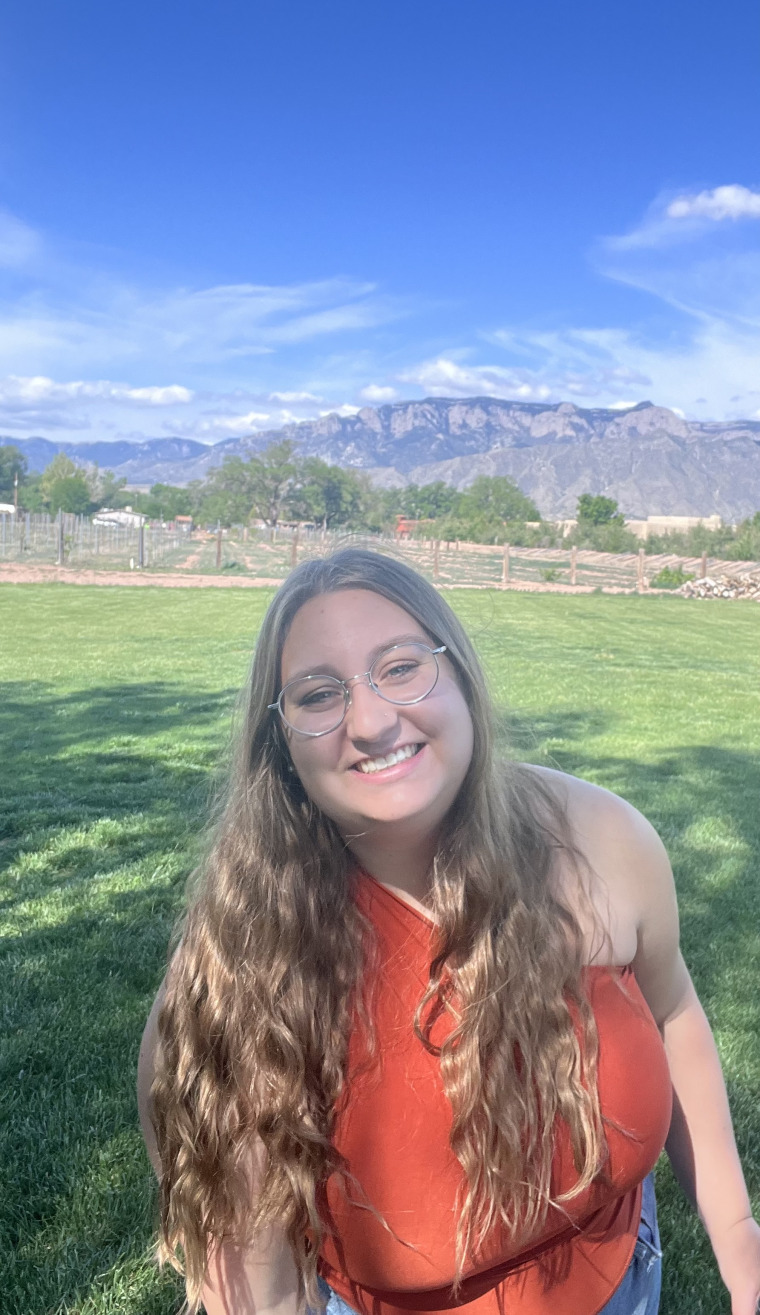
<point>398,756</point>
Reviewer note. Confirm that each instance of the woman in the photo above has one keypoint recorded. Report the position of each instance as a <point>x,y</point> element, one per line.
<point>406,1055</point>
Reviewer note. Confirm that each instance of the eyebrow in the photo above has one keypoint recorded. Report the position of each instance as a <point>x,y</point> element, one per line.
<point>327,669</point>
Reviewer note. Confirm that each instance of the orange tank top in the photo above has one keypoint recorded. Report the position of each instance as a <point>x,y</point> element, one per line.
<point>393,1130</point>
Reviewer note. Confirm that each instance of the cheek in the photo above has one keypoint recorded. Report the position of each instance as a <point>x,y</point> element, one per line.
<point>311,763</point>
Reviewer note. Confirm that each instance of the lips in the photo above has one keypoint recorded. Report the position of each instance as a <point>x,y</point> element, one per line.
<point>370,765</point>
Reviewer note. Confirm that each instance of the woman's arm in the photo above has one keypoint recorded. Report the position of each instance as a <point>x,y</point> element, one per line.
<point>255,1280</point>
<point>700,1145</point>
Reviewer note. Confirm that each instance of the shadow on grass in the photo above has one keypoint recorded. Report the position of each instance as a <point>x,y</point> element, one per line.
<point>102,796</point>
<point>101,810</point>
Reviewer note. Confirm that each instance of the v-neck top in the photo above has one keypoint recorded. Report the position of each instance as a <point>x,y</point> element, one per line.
<point>392,1224</point>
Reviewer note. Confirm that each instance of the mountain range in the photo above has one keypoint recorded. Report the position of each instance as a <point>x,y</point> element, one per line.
<point>651,460</point>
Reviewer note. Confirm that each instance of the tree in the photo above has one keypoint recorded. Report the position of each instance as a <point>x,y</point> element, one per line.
<point>261,486</point>
<point>594,509</point>
<point>70,493</point>
<point>227,495</point>
<point>65,486</point>
<point>498,498</point>
<point>106,490</point>
<point>429,501</point>
<point>61,467</point>
<point>12,464</point>
<point>327,494</point>
<point>164,502</point>
<point>273,475</point>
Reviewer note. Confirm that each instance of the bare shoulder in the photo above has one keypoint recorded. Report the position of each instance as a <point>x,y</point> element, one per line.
<point>632,885</point>
<point>613,835</point>
<point>146,1067</point>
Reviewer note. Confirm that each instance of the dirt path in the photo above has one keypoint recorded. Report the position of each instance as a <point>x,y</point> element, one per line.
<point>15,573</point>
<point>20,573</point>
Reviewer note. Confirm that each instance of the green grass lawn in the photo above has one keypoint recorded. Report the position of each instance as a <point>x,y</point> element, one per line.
<point>114,715</point>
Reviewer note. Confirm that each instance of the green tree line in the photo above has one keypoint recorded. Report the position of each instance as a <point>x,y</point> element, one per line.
<point>278,484</point>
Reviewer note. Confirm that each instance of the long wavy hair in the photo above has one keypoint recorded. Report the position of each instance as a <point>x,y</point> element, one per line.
<point>268,971</point>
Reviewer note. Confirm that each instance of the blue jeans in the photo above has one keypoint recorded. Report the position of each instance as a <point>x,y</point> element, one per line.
<point>639,1291</point>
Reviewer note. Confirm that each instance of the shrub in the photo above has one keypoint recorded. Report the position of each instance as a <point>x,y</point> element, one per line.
<point>671,577</point>
<point>550,574</point>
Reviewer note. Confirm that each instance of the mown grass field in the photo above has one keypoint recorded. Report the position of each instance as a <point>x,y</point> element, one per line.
<point>114,714</point>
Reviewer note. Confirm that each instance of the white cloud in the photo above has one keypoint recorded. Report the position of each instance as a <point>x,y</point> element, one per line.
<point>214,427</point>
<point>378,393</point>
<point>444,377</point>
<point>38,389</point>
<point>295,397</point>
<point>671,220</point>
<point>167,396</point>
<point>730,202</point>
<point>345,410</point>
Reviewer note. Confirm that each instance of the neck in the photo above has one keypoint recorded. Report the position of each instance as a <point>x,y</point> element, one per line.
<point>403,862</point>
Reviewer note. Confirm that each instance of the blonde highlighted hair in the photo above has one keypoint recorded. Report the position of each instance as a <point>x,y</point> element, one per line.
<point>268,972</point>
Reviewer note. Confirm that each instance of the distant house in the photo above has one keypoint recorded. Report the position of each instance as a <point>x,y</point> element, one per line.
<point>124,517</point>
<point>671,525</point>
<point>184,523</point>
<point>7,509</point>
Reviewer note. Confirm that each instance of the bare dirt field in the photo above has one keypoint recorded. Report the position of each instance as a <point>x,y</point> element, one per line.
<point>13,573</point>
<point>16,573</point>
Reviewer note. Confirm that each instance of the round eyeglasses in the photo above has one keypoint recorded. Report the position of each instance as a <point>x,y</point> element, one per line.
<point>316,705</point>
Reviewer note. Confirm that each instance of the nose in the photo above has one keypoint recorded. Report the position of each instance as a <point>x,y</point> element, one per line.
<point>369,717</point>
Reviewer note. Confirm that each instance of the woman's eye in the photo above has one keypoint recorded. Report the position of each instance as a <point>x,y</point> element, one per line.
<point>399,670</point>
<point>317,697</point>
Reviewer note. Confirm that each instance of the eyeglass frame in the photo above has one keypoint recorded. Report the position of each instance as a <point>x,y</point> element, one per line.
<point>365,675</point>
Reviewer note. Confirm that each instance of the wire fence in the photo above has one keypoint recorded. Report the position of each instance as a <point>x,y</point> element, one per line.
<point>269,554</point>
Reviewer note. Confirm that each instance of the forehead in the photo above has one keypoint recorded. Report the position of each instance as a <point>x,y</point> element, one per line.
<point>342,631</point>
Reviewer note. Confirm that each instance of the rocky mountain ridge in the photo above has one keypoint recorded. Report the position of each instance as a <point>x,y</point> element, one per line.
<point>646,457</point>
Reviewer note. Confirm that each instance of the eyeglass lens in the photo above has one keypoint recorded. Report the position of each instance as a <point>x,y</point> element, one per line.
<point>317,704</point>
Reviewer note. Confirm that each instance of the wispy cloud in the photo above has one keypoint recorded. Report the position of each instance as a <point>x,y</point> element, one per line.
<point>673,219</point>
<point>85,354</point>
<point>62,319</point>
<point>18,242</point>
<point>561,365</point>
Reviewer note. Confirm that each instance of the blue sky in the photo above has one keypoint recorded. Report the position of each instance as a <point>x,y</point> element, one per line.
<point>220,218</point>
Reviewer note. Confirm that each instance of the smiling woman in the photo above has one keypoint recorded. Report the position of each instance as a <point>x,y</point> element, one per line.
<point>415,1046</point>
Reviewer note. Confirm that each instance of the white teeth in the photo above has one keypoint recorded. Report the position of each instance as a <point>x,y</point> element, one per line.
<point>377,764</point>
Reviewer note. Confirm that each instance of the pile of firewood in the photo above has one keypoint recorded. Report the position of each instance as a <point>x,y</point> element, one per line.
<point>723,586</point>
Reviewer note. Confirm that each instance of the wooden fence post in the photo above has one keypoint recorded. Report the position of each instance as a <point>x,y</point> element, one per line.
<point>703,566</point>
<point>505,566</point>
<point>294,548</point>
<point>219,548</point>
<point>59,560</point>
<point>574,564</point>
<point>436,554</point>
<point>141,545</point>
<point>640,570</point>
